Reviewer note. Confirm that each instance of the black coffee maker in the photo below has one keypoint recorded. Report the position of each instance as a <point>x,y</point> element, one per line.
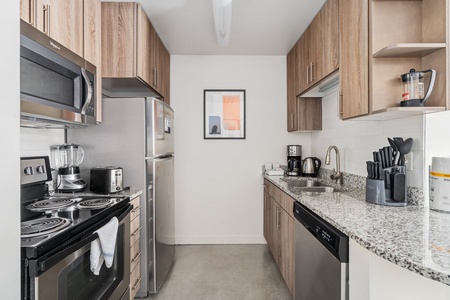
<point>294,160</point>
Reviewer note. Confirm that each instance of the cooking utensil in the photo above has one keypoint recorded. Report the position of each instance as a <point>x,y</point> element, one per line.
<point>369,169</point>
<point>404,149</point>
<point>390,156</point>
<point>382,159</point>
<point>387,155</point>
<point>394,149</point>
<point>398,141</point>
<point>380,172</point>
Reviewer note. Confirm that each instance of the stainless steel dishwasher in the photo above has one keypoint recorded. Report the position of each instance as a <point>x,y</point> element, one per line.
<point>321,258</point>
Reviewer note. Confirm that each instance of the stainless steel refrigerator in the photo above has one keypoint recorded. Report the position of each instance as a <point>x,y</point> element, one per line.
<point>137,135</point>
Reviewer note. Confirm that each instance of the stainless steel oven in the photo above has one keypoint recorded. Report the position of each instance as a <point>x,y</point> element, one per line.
<point>56,236</point>
<point>57,87</point>
<point>69,276</point>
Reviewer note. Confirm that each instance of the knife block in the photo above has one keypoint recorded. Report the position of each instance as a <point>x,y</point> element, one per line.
<point>378,193</point>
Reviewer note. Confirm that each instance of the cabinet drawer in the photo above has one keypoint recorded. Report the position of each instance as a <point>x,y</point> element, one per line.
<point>135,230</point>
<point>287,203</point>
<point>135,254</point>
<point>136,211</point>
<point>135,281</point>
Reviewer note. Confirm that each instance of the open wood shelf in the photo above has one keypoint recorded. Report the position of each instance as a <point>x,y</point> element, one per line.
<point>408,50</point>
<point>399,112</point>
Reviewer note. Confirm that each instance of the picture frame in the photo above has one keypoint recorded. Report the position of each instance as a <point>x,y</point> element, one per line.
<point>224,114</point>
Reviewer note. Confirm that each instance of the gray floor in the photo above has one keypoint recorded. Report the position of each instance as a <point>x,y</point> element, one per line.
<point>228,272</point>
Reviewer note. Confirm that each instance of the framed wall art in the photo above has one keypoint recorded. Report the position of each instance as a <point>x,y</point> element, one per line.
<point>224,114</point>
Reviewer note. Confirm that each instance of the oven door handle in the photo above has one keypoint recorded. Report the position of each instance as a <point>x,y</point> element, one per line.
<point>39,266</point>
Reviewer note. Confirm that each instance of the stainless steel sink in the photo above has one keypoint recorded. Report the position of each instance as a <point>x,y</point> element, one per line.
<point>317,189</point>
<point>309,186</point>
<point>300,183</point>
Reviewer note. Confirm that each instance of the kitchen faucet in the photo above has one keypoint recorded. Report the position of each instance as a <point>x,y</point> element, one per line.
<point>336,173</point>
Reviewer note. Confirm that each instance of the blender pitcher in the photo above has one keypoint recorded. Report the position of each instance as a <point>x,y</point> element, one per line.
<point>71,155</point>
<point>414,87</point>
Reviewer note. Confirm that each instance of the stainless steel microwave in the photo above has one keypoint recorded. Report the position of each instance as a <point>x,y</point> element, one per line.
<point>57,87</point>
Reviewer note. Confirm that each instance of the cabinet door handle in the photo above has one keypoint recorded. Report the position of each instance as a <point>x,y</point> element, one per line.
<point>279,222</point>
<point>277,217</point>
<point>341,110</point>
<point>137,283</point>
<point>154,76</point>
<point>31,12</point>
<point>307,74</point>
<point>312,71</point>
<point>46,13</point>
<point>137,231</point>
<point>135,209</point>
<point>136,257</point>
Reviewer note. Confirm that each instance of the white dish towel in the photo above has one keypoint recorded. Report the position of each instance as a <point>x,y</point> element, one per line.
<point>102,249</point>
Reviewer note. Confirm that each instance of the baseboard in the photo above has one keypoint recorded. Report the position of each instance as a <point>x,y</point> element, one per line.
<point>206,240</point>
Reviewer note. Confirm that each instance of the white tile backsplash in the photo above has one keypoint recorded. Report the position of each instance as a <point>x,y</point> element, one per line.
<point>37,142</point>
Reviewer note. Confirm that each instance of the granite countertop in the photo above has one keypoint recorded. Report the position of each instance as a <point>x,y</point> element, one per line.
<point>413,237</point>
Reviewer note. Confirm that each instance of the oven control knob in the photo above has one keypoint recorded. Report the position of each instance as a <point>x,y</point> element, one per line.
<point>40,169</point>
<point>28,171</point>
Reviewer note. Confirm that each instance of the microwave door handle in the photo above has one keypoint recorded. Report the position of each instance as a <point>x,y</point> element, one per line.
<point>89,92</point>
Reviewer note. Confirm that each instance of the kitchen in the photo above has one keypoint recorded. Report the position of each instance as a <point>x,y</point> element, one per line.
<point>266,111</point>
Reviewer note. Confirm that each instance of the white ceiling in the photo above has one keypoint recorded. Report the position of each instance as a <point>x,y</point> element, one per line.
<point>259,27</point>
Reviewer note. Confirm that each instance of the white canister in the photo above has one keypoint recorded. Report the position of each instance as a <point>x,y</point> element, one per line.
<point>440,184</point>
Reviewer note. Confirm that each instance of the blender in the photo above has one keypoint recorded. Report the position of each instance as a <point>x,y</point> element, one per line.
<point>66,159</point>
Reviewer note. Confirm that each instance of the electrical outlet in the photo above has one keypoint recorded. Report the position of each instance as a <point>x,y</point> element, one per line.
<point>409,161</point>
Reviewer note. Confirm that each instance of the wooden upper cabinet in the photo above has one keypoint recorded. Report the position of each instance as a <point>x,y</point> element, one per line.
<point>144,44</point>
<point>379,43</point>
<point>328,39</point>
<point>302,63</point>
<point>118,39</point>
<point>354,42</point>
<point>133,55</point>
<point>291,91</point>
<point>62,21</point>
<point>318,48</point>
<point>27,11</point>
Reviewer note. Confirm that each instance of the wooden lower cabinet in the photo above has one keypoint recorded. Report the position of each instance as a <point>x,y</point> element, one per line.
<point>135,248</point>
<point>279,230</point>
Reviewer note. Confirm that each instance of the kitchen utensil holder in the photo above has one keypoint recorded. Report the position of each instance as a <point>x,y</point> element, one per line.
<point>377,193</point>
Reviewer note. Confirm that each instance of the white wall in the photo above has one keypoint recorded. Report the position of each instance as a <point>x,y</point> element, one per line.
<point>357,140</point>
<point>218,183</point>
<point>9,158</point>
<point>37,142</point>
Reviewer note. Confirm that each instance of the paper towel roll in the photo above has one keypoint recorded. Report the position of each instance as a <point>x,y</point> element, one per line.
<point>440,184</point>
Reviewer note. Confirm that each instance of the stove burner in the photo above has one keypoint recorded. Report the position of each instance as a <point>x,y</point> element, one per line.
<point>43,226</point>
<point>95,203</point>
<point>51,204</point>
